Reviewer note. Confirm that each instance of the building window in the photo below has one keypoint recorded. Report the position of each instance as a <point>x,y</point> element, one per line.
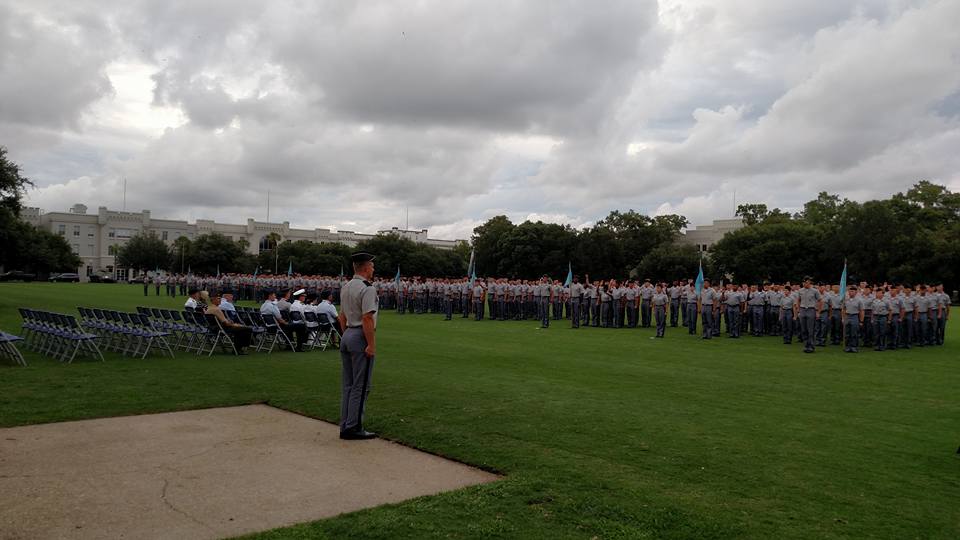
<point>112,249</point>
<point>111,233</point>
<point>91,247</point>
<point>265,244</point>
<point>61,229</point>
<point>76,230</point>
<point>76,249</point>
<point>163,235</point>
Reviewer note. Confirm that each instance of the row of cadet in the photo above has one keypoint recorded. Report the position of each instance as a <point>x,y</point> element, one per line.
<point>884,317</point>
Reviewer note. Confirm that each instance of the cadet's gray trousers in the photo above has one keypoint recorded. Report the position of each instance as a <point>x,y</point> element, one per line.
<point>575,312</point>
<point>355,378</point>
<point>808,317</point>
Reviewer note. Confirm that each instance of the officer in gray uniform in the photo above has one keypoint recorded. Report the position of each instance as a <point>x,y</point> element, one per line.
<point>755,307</point>
<point>852,318</point>
<point>705,305</point>
<point>787,304</point>
<point>674,293</point>
<point>733,302</point>
<point>909,313</point>
<point>660,300</point>
<point>358,318</point>
<point>810,302</point>
<point>692,304</point>
<point>576,291</point>
<point>881,325</point>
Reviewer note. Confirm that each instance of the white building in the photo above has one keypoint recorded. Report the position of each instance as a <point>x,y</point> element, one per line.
<point>95,237</point>
<point>705,236</point>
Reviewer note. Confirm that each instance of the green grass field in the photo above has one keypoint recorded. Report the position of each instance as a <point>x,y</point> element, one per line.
<point>599,433</point>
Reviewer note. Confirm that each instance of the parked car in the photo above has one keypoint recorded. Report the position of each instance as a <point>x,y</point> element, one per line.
<point>17,275</point>
<point>104,278</point>
<point>69,277</point>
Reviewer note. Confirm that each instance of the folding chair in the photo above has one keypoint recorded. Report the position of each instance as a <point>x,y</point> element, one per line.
<point>219,335</point>
<point>8,348</point>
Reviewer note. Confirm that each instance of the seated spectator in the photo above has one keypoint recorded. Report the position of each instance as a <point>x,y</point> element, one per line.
<point>226,301</point>
<point>192,303</point>
<point>271,306</point>
<point>239,333</point>
<point>204,301</point>
<point>327,308</point>
<point>283,301</point>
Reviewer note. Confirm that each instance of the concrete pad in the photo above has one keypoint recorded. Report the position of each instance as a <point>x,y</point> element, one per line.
<point>202,474</point>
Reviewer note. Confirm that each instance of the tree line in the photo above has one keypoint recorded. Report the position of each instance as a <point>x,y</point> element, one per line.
<point>912,237</point>
<point>22,245</point>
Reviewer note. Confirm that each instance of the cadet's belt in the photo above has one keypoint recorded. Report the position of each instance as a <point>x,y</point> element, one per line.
<point>356,326</point>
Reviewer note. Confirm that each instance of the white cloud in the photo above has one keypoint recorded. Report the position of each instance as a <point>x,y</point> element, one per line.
<point>351,113</point>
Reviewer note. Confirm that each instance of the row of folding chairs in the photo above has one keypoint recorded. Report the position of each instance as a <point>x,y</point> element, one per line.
<point>8,348</point>
<point>321,332</point>
<point>130,334</point>
<point>57,335</point>
<point>202,333</point>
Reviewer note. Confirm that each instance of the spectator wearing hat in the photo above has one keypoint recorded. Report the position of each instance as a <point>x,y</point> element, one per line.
<point>192,296</point>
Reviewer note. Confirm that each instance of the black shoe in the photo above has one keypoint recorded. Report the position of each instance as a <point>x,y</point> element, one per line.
<point>357,435</point>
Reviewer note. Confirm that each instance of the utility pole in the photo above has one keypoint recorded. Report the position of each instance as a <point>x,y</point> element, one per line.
<point>124,194</point>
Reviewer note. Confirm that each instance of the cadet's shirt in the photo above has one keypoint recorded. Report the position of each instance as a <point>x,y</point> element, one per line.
<point>674,293</point>
<point>896,305</point>
<point>646,292</point>
<point>732,298</point>
<point>880,306</point>
<point>356,300</point>
<point>808,297</point>
<point>756,299</point>
<point>852,306</point>
<point>834,300</point>
<point>630,294</point>
<point>923,303</point>
<point>616,293</point>
<point>576,291</point>
<point>707,296</point>
<point>774,298</point>
<point>660,299</point>
<point>477,291</point>
<point>788,301</point>
<point>909,303</point>
<point>691,294</point>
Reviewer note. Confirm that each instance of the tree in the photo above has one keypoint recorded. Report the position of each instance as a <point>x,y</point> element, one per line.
<point>486,240</point>
<point>215,251</point>
<point>670,262</point>
<point>144,252</point>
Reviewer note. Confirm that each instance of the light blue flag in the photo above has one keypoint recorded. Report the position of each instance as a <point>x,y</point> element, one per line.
<point>290,269</point>
<point>843,280</point>
<point>698,285</point>
<point>470,266</point>
<point>569,275</point>
<point>256,271</point>
<point>396,279</point>
<point>473,277</point>
<point>218,270</point>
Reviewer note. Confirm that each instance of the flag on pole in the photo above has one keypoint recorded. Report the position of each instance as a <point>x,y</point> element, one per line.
<point>218,270</point>
<point>569,275</point>
<point>290,268</point>
<point>341,270</point>
<point>843,280</point>
<point>470,268</point>
<point>473,277</point>
<point>256,271</point>
<point>189,271</point>
<point>396,278</point>
<point>698,285</point>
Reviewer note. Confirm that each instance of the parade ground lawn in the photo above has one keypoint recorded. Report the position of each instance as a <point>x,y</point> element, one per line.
<point>598,433</point>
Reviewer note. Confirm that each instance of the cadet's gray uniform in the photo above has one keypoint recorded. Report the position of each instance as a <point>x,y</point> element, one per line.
<point>707,297</point>
<point>851,321</point>
<point>733,301</point>
<point>786,316</point>
<point>881,311</point>
<point>808,298</point>
<point>357,298</point>
<point>576,291</point>
<point>660,301</point>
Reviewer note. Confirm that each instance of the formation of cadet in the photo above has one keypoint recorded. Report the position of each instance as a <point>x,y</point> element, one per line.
<point>884,317</point>
<point>247,286</point>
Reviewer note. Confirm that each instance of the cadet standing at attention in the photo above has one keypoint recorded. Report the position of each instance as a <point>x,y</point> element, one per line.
<point>660,301</point>
<point>810,302</point>
<point>705,307</point>
<point>576,291</point>
<point>358,347</point>
<point>852,318</point>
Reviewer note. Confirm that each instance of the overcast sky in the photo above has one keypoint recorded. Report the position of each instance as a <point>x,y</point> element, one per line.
<point>351,112</point>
